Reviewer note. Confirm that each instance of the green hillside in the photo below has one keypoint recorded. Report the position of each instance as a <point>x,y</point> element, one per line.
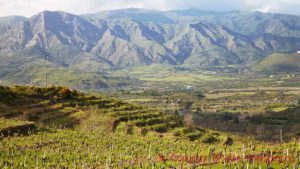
<point>279,63</point>
<point>47,123</point>
<point>60,128</point>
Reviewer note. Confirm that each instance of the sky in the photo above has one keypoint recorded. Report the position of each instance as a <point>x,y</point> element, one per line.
<point>30,7</point>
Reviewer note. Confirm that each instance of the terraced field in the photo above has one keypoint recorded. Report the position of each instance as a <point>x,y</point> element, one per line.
<point>74,130</point>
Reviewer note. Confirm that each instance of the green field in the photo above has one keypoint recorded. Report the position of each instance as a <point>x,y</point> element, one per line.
<point>278,63</point>
<point>75,130</point>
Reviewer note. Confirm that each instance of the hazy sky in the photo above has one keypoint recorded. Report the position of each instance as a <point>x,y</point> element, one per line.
<point>31,7</point>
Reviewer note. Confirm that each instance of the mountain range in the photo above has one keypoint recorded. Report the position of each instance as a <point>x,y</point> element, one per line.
<point>134,37</point>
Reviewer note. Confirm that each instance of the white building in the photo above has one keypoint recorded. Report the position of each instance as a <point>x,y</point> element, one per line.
<point>190,87</point>
<point>298,51</point>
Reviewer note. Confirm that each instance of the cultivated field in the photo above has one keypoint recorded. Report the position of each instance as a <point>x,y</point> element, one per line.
<point>69,129</point>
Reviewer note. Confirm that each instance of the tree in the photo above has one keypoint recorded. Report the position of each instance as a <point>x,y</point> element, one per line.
<point>65,93</point>
<point>199,95</point>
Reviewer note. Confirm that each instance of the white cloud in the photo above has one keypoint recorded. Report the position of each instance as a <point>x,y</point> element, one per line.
<point>31,7</point>
<point>268,8</point>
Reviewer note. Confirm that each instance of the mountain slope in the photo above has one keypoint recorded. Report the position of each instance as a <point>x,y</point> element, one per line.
<point>133,37</point>
<point>11,20</point>
<point>279,63</point>
<point>128,43</point>
<point>141,15</point>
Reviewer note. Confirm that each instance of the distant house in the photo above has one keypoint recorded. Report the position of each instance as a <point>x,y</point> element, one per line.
<point>190,87</point>
<point>298,51</point>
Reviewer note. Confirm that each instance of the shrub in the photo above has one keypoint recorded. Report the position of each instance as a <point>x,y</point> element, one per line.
<point>209,139</point>
<point>30,116</point>
<point>115,124</point>
<point>149,122</point>
<point>236,119</point>
<point>75,93</point>
<point>190,133</point>
<point>194,136</point>
<point>39,91</point>
<point>129,129</point>
<point>161,128</point>
<point>215,134</point>
<point>177,133</point>
<point>65,93</point>
<point>4,90</point>
<point>228,141</point>
<point>143,131</point>
<point>5,94</point>
<point>298,133</point>
<point>182,131</point>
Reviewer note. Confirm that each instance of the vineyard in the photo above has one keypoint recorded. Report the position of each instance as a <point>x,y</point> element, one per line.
<point>57,127</point>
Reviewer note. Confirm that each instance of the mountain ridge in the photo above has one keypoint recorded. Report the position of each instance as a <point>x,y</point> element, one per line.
<point>11,20</point>
<point>133,37</point>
